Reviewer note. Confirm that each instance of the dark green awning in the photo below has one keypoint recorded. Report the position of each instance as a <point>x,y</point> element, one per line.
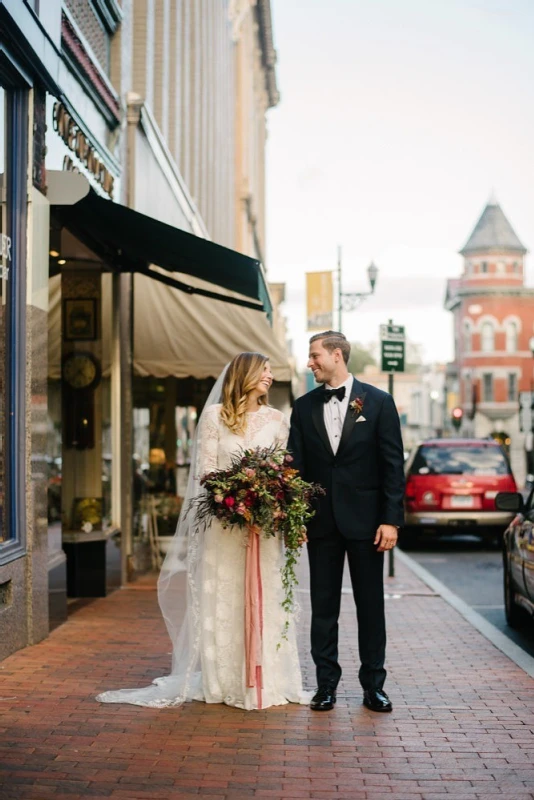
<point>131,242</point>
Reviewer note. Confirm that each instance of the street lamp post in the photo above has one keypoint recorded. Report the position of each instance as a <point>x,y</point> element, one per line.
<point>349,301</point>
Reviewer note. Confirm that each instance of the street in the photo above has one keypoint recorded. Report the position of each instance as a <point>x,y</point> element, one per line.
<point>474,572</point>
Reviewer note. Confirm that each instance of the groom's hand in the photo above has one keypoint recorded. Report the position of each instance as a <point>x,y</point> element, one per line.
<point>386,537</point>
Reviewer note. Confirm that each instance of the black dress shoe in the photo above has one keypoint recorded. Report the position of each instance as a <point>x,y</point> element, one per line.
<point>324,699</point>
<point>377,700</point>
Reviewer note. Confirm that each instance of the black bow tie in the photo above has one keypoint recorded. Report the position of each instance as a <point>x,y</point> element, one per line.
<point>340,392</point>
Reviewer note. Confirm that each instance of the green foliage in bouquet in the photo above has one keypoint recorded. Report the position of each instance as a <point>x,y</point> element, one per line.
<point>261,491</point>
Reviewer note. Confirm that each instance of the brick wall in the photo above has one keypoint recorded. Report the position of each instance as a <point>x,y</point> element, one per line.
<point>92,29</point>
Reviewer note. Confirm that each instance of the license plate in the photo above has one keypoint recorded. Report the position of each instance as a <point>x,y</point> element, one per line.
<point>461,501</point>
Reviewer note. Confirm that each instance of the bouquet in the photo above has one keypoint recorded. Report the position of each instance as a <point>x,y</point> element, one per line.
<point>262,493</point>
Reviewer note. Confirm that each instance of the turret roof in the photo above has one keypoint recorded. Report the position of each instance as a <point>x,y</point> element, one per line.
<point>493,232</point>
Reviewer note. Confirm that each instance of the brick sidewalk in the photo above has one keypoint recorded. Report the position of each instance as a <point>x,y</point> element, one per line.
<point>462,725</point>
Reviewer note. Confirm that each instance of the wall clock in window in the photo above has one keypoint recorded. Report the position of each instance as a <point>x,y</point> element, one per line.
<point>81,370</point>
<point>81,373</point>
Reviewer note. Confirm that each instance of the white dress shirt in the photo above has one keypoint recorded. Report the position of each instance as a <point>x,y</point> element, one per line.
<point>335,412</point>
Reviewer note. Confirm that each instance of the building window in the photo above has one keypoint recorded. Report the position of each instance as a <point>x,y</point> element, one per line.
<point>487,387</point>
<point>501,267</point>
<point>515,266</point>
<point>511,337</point>
<point>5,253</point>
<point>468,390</point>
<point>512,387</point>
<point>468,339</point>
<point>484,266</point>
<point>487,337</point>
<point>13,220</point>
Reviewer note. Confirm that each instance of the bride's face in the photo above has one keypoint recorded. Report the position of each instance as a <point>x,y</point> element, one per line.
<point>266,380</point>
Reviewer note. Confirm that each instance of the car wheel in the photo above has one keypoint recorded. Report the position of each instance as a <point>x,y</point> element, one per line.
<point>512,610</point>
<point>493,541</point>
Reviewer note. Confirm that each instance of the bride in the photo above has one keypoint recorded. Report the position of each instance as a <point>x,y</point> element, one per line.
<point>208,640</point>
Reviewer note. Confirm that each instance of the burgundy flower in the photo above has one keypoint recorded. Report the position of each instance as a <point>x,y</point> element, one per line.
<point>229,502</point>
<point>250,499</point>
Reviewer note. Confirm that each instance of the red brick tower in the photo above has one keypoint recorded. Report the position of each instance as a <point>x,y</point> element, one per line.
<point>493,323</point>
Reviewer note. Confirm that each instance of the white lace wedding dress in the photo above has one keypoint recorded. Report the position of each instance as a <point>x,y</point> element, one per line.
<point>209,641</point>
<point>222,648</point>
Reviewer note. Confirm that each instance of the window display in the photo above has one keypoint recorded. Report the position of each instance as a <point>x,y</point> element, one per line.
<point>5,257</point>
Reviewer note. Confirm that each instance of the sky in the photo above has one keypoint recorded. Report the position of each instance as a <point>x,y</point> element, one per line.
<point>398,120</point>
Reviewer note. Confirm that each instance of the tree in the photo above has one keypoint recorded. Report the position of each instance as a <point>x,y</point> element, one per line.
<point>360,357</point>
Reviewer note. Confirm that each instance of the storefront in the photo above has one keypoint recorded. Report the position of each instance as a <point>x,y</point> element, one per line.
<point>23,328</point>
<point>113,325</point>
<point>133,352</point>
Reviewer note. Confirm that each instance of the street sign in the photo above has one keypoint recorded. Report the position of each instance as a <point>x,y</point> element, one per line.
<point>392,348</point>
<point>526,411</point>
<point>394,333</point>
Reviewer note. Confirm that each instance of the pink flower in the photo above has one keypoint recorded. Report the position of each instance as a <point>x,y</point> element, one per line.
<point>229,502</point>
<point>218,498</point>
<point>240,509</point>
<point>250,473</point>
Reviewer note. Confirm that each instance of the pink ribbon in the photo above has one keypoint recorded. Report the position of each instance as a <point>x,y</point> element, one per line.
<point>253,614</point>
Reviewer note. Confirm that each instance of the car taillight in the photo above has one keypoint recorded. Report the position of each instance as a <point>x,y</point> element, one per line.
<point>410,491</point>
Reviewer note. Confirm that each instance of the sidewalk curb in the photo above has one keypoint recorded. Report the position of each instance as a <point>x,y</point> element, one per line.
<point>501,642</point>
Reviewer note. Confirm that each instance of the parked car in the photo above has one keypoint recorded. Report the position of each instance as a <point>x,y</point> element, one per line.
<point>451,486</point>
<point>518,555</point>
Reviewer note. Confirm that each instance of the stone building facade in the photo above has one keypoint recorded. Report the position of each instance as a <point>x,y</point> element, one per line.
<point>493,324</point>
<point>149,112</point>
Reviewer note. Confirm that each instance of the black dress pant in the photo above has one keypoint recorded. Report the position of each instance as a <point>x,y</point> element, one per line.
<point>327,559</point>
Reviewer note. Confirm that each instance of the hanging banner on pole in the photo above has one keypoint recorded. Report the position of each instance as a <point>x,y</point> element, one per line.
<point>319,300</point>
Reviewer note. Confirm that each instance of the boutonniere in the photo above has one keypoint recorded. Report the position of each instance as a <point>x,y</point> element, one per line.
<point>356,406</point>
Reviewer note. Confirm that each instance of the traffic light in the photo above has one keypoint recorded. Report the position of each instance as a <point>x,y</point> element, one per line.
<point>457,416</point>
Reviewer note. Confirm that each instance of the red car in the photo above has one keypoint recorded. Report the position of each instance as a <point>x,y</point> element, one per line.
<point>451,485</point>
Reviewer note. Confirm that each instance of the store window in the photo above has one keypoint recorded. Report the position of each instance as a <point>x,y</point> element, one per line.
<point>4,271</point>
<point>13,244</point>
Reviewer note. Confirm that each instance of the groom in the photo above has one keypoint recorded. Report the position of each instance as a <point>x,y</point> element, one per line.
<point>346,436</point>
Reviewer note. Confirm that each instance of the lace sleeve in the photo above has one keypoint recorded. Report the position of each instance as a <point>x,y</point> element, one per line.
<point>208,443</point>
<point>283,432</point>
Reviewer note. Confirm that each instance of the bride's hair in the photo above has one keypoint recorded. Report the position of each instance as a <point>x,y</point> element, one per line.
<point>242,376</point>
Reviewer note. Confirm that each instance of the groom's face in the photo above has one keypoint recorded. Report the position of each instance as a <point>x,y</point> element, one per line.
<point>323,363</point>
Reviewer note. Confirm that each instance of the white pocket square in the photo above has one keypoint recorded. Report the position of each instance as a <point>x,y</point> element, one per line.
<point>361,419</point>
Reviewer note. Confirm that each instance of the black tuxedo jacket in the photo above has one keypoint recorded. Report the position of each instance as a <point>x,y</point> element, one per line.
<point>364,480</point>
